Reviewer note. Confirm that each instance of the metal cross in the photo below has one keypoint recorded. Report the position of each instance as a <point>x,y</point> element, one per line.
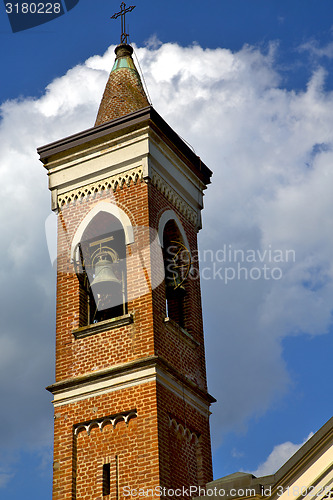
<point>123,11</point>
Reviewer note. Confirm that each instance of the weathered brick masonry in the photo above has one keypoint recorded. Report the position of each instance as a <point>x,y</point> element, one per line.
<point>130,396</point>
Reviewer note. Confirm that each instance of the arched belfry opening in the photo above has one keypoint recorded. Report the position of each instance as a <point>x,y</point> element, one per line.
<point>100,261</point>
<point>177,262</point>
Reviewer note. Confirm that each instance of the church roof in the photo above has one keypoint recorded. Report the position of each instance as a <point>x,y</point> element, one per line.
<point>306,475</point>
<point>124,92</point>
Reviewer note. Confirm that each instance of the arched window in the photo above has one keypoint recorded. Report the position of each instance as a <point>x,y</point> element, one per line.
<point>100,260</point>
<point>177,262</point>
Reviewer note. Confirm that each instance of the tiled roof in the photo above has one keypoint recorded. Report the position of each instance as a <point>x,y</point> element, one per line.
<point>124,92</point>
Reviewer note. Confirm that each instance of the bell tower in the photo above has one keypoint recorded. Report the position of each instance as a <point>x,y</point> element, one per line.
<point>131,407</point>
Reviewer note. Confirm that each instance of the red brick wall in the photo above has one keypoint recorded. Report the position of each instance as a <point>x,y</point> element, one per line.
<point>185,461</point>
<point>77,357</point>
<point>78,460</point>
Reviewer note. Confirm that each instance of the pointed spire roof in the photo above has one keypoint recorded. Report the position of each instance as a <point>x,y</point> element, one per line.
<point>124,92</point>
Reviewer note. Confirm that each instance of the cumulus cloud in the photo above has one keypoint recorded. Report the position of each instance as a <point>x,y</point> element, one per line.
<point>27,292</point>
<point>280,454</point>
<point>271,151</point>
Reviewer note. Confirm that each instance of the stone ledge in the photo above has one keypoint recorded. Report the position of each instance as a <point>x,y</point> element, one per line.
<point>155,362</point>
<point>181,332</point>
<point>109,324</point>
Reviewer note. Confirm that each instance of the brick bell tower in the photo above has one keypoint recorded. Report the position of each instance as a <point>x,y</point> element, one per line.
<point>131,407</point>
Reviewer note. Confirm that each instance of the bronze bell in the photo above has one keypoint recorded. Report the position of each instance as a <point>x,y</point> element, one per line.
<point>105,283</point>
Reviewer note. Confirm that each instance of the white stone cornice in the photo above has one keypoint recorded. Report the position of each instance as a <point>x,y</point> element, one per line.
<point>139,376</point>
<point>104,386</point>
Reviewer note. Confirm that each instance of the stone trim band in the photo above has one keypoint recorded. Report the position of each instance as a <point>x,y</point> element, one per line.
<point>110,183</point>
<point>134,175</point>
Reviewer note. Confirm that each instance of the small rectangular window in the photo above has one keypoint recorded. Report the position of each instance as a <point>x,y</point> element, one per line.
<point>106,480</point>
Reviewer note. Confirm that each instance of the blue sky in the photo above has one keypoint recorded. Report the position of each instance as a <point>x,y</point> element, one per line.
<point>249,84</point>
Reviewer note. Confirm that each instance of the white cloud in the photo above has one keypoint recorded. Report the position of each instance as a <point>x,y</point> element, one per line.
<point>237,454</point>
<point>5,478</point>
<point>280,454</point>
<point>271,151</point>
<point>316,50</point>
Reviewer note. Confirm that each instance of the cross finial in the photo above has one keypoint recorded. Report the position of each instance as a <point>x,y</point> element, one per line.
<point>123,11</point>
